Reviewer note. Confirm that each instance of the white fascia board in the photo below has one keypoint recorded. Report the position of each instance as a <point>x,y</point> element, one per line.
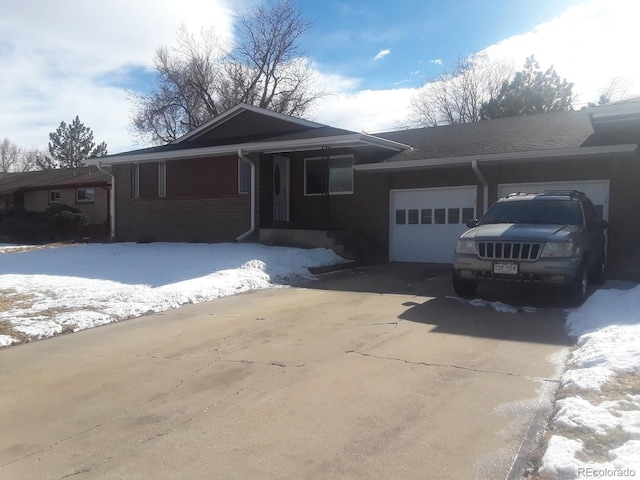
<point>238,109</point>
<point>498,157</point>
<point>355,140</point>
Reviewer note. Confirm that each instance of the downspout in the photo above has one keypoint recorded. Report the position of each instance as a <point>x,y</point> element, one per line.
<point>485,186</point>
<point>252,229</point>
<point>112,201</point>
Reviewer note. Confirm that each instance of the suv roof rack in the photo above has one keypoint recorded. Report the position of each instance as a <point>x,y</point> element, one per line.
<point>571,193</point>
<point>521,194</point>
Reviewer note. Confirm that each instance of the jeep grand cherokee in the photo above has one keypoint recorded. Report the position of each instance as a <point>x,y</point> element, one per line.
<point>550,237</point>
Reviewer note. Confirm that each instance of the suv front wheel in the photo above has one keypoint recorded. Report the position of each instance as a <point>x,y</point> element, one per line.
<point>464,288</point>
<point>577,289</point>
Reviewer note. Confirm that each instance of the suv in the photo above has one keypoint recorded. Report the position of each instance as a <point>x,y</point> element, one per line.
<point>553,237</point>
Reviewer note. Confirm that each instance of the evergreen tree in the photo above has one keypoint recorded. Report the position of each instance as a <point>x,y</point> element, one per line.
<point>70,145</point>
<point>531,91</point>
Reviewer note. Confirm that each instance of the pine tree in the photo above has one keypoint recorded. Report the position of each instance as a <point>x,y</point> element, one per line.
<point>531,91</point>
<point>70,145</point>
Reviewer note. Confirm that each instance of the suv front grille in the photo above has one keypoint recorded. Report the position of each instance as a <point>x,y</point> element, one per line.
<point>509,250</point>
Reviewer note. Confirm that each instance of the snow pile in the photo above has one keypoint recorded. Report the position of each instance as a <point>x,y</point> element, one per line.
<point>608,330</point>
<point>76,287</point>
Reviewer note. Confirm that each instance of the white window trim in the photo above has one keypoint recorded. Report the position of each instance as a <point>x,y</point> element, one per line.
<point>135,180</point>
<point>332,157</point>
<point>162,179</point>
<point>59,196</point>
<point>86,201</point>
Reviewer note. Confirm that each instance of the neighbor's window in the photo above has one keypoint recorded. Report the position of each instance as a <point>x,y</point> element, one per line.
<point>333,175</point>
<point>85,195</point>
<point>54,196</point>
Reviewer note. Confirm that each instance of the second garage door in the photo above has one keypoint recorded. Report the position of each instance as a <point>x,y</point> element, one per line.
<point>425,223</point>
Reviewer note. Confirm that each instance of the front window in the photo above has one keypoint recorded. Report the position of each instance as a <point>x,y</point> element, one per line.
<point>333,175</point>
<point>85,195</point>
<point>54,196</point>
<point>546,212</point>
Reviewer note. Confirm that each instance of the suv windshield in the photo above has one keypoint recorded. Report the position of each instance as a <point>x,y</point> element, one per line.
<point>555,212</point>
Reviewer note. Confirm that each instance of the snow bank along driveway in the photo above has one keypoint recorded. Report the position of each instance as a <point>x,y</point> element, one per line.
<point>47,291</point>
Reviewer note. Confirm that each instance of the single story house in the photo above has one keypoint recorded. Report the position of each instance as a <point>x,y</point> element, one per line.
<point>85,188</point>
<point>396,196</point>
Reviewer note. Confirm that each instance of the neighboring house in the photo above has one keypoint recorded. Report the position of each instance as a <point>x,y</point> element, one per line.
<point>397,196</point>
<point>85,188</point>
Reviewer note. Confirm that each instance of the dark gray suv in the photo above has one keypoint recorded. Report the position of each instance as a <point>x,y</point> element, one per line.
<point>553,237</point>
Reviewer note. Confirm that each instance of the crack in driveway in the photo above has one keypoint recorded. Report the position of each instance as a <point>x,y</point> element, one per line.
<point>445,365</point>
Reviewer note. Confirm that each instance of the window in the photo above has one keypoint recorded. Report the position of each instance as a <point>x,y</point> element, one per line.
<point>332,175</point>
<point>162,179</point>
<point>439,216</point>
<point>413,216</point>
<point>425,216</point>
<point>454,215</point>
<point>401,217</point>
<point>244,177</point>
<point>85,195</point>
<point>135,180</point>
<point>54,196</point>
<point>468,214</point>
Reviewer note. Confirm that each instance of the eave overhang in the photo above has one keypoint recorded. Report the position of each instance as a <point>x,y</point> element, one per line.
<point>356,140</point>
<point>499,158</point>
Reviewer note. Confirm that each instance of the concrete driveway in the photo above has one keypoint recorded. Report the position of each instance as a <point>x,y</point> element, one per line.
<point>368,373</point>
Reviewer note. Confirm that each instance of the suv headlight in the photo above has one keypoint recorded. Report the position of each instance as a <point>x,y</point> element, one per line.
<point>558,250</point>
<point>466,247</point>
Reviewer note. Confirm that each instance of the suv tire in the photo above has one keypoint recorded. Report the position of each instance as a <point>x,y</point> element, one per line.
<point>577,289</point>
<point>464,288</point>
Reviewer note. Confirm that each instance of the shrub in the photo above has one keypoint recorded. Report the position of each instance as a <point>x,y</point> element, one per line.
<point>60,222</point>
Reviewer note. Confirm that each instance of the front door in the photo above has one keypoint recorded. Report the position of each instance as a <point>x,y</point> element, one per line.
<point>280,189</point>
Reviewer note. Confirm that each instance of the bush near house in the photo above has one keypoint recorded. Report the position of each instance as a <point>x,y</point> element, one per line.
<point>56,223</point>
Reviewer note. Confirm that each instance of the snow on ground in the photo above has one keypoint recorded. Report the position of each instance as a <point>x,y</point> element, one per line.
<point>497,306</point>
<point>596,426</point>
<point>70,288</point>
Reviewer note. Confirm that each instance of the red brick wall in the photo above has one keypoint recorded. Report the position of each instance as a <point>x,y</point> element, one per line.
<point>212,211</point>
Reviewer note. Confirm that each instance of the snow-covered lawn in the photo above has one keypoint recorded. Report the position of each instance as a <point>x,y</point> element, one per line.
<point>595,431</point>
<point>47,291</point>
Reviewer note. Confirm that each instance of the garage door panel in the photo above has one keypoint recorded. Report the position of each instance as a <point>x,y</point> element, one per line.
<point>425,223</point>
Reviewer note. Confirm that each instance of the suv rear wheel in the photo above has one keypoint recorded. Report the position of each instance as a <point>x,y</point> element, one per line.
<point>464,288</point>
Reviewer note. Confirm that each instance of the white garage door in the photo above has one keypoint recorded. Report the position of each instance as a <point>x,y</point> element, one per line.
<point>596,190</point>
<point>425,223</point>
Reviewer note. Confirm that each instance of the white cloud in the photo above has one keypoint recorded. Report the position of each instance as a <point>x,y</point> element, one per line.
<point>382,53</point>
<point>437,61</point>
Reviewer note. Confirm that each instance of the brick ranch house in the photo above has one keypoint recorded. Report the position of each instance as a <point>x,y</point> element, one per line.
<point>85,188</point>
<point>396,196</point>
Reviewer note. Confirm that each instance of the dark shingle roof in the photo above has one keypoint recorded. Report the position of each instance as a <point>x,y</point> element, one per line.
<point>64,177</point>
<point>503,135</point>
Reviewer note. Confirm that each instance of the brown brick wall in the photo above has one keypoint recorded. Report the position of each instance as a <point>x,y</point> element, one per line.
<point>209,216</point>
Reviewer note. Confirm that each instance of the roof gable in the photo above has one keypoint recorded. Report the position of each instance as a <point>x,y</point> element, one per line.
<point>232,125</point>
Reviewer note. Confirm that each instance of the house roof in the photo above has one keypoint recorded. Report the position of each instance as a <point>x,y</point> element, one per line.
<point>58,178</point>
<point>251,129</point>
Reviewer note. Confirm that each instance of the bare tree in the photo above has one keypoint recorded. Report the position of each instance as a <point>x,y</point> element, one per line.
<point>457,94</point>
<point>202,77</point>
<point>16,159</point>
<point>615,91</point>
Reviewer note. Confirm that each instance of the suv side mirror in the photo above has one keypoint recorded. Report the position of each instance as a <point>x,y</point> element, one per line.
<point>472,223</point>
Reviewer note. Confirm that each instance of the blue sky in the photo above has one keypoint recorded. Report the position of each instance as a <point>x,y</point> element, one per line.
<point>371,56</point>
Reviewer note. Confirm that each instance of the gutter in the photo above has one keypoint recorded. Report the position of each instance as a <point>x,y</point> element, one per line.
<point>485,185</point>
<point>112,201</point>
<point>252,229</point>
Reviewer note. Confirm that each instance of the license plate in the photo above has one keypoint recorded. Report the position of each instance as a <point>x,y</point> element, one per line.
<point>507,268</point>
